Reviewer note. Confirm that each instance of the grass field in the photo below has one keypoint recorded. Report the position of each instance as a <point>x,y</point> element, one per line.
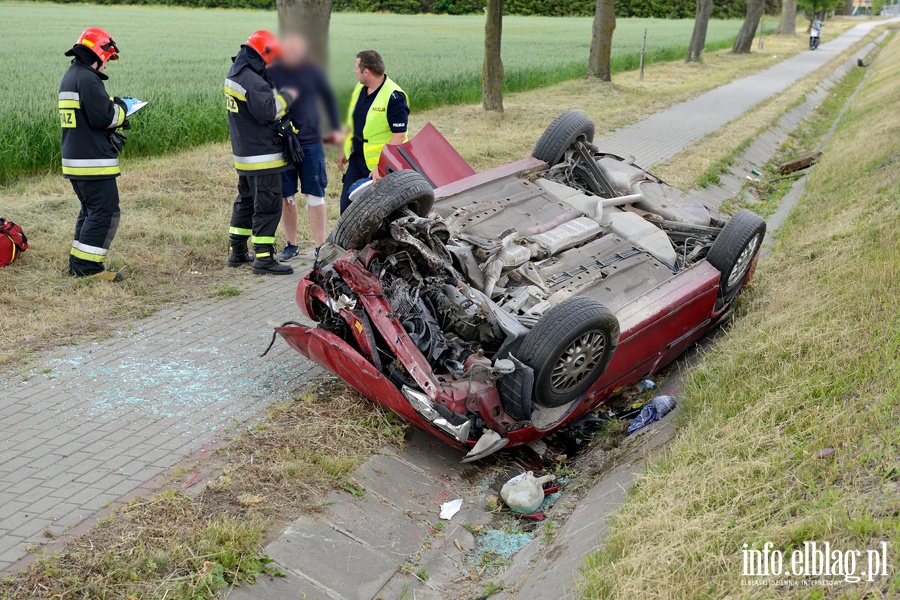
<point>790,430</point>
<point>177,59</point>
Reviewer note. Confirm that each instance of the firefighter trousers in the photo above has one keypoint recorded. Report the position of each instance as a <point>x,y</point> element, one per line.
<point>96,226</point>
<point>257,208</point>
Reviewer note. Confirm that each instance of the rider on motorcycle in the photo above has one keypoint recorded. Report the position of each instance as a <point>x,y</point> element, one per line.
<point>815,32</point>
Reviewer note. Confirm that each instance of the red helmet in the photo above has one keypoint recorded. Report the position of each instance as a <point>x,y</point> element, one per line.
<point>266,44</point>
<point>100,43</point>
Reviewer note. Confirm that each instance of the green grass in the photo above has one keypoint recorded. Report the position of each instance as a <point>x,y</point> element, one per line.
<point>790,431</point>
<point>177,59</point>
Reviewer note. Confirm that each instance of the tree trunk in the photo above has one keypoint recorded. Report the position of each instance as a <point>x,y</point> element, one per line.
<point>492,72</point>
<point>788,24</point>
<point>309,18</point>
<point>698,37</point>
<point>848,7</point>
<point>601,40</point>
<point>745,36</point>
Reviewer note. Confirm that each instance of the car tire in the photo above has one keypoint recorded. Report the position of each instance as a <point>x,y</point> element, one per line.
<point>735,249</point>
<point>379,205</point>
<point>565,130</point>
<point>569,348</point>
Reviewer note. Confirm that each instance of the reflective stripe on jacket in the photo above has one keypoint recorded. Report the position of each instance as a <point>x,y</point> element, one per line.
<point>377,130</point>
<point>87,115</point>
<point>253,104</point>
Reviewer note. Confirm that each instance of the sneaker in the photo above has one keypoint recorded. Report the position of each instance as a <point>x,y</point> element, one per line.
<point>290,251</point>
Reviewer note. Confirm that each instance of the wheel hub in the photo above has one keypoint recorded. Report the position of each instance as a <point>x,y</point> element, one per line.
<point>742,265</point>
<point>578,361</point>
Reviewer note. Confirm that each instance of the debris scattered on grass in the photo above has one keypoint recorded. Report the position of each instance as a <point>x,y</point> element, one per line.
<point>825,452</point>
<point>651,413</point>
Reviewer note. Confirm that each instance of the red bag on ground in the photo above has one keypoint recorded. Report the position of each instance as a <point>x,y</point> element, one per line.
<point>12,242</point>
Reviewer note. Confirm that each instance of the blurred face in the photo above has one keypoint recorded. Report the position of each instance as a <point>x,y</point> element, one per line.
<point>362,76</point>
<point>293,50</point>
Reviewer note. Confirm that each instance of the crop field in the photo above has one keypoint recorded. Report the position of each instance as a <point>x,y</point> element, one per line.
<point>177,59</point>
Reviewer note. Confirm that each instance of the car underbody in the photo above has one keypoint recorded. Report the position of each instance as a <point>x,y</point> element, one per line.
<point>495,303</point>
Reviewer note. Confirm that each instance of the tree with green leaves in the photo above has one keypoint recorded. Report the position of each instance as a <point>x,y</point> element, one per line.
<point>601,40</point>
<point>788,23</point>
<point>492,72</point>
<point>744,40</point>
<point>698,35</point>
<point>309,18</point>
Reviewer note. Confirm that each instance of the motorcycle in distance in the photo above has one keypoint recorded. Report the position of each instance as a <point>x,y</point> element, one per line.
<point>815,32</point>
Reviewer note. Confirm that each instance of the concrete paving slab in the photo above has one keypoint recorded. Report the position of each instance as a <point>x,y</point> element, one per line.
<point>332,560</point>
<point>289,587</point>
<point>383,527</point>
<point>396,483</point>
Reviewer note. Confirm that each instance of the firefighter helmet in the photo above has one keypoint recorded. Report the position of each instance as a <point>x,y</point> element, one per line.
<point>100,43</point>
<point>266,44</point>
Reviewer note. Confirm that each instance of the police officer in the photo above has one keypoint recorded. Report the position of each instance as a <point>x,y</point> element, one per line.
<point>378,115</point>
<point>254,105</point>
<point>90,148</point>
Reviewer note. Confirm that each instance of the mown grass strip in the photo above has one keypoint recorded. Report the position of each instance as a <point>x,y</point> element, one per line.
<point>790,426</point>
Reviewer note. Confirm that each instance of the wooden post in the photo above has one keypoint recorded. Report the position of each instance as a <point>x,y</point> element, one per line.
<point>761,43</point>
<point>643,49</point>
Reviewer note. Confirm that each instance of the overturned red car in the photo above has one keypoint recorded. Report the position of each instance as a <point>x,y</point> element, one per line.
<point>494,308</point>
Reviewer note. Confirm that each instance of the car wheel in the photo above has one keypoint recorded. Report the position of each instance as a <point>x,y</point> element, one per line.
<point>735,249</point>
<point>565,130</point>
<point>569,348</point>
<point>380,204</point>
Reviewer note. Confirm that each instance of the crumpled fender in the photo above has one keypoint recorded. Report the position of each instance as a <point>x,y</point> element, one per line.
<point>337,356</point>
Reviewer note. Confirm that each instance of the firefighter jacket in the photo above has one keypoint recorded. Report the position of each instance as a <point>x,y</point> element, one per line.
<point>88,116</point>
<point>253,105</point>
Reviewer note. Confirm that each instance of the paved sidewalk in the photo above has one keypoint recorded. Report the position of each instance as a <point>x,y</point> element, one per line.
<point>91,422</point>
<point>661,136</point>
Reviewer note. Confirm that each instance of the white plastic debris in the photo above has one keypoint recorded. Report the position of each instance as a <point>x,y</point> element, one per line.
<point>524,493</point>
<point>448,509</point>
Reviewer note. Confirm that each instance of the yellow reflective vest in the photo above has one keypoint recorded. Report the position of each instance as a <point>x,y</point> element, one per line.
<point>377,131</point>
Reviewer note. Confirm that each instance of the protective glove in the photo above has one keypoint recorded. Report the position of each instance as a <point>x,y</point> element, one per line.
<point>288,131</point>
<point>117,140</point>
<point>129,103</point>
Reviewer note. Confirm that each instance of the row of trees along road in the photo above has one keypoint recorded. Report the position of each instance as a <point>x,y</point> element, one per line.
<point>313,17</point>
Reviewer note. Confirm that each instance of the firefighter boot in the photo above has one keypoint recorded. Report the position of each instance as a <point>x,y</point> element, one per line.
<point>265,263</point>
<point>238,255</point>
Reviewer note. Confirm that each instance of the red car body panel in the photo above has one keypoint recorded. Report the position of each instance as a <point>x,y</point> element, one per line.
<point>430,154</point>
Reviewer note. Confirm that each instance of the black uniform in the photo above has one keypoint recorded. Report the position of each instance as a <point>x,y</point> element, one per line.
<point>253,104</point>
<point>88,117</point>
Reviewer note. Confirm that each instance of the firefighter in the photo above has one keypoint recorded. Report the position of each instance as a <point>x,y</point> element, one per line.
<point>378,115</point>
<point>254,107</point>
<point>90,121</point>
